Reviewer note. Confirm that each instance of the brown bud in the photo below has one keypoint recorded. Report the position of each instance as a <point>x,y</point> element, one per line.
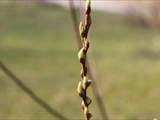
<point>89,115</point>
<point>89,20</point>
<point>88,100</point>
<point>88,7</point>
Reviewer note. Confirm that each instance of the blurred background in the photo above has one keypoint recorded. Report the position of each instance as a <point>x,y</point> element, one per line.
<point>38,43</point>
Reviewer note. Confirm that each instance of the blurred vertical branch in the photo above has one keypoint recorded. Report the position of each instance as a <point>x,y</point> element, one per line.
<point>30,93</point>
<point>91,69</point>
<point>75,23</point>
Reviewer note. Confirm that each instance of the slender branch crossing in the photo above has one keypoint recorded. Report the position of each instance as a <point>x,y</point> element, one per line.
<point>82,56</point>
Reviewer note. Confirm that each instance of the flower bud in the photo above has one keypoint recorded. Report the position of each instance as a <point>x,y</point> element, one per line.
<point>89,82</point>
<point>83,105</point>
<point>81,55</point>
<point>81,28</point>
<point>86,82</point>
<point>86,111</point>
<point>88,3</point>
<point>86,43</point>
<point>80,89</point>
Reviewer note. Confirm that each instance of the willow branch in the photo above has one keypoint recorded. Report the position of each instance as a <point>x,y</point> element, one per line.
<point>91,69</point>
<point>82,56</point>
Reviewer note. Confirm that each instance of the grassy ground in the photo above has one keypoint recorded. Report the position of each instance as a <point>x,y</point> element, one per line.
<point>38,44</point>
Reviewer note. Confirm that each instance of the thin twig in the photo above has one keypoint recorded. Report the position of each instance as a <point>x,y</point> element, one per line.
<point>82,55</point>
<point>91,69</point>
<point>75,23</point>
<point>30,93</point>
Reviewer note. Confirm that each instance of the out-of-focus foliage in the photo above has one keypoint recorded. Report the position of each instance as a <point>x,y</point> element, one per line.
<point>146,13</point>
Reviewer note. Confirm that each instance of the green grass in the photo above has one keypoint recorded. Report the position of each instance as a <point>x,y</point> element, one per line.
<point>38,44</point>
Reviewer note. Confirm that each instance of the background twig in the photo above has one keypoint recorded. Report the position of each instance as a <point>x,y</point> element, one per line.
<point>30,93</point>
